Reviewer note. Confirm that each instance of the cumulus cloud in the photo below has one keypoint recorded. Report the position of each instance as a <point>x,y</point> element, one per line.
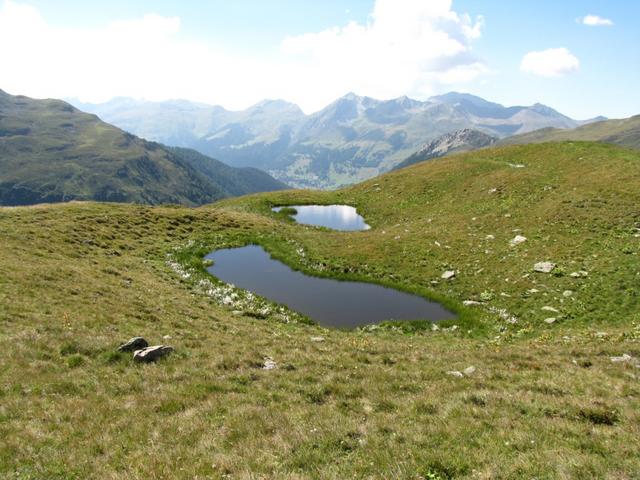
<point>553,62</point>
<point>595,21</point>
<point>408,47</point>
<point>412,47</point>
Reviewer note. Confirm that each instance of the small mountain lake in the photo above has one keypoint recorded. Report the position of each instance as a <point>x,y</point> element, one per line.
<point>336,217</point>
<point>331,303</point>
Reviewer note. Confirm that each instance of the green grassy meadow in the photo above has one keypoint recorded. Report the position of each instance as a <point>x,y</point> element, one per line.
<point>545,401</point>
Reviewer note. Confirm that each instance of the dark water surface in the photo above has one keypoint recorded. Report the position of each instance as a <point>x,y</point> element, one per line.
<point>337,217</point>
<point>331,303</point>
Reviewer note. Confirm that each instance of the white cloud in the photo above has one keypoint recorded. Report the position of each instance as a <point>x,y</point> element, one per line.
<point>553,62</point>
<point>413,47</point>
<point>595,21</point>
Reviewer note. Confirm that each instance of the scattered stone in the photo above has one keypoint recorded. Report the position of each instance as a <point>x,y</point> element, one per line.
<point>567,293</point>
<point>550,309</point>
<point>449,274</point>
<point>135,343</point>
<point>544,267</point>
<point>469,303</point>
<point>490,237</point>
<point>151,354</point>
<point>517,240</point>
<point>317,339</point>
<point>579,274</point>
<point>550,320</point>
<point>434,327</point>
<point>533,290</point>
<point>469,371</point>
<point>207,262</point>
<point>622,359</point>
<point>601,334</point>
<point>455,373</point>
<point>269,364</point>
<point>166,337</point>
<point>493,190</point>
<point>236,312</point>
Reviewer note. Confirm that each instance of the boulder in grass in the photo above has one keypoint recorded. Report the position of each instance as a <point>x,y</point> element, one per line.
<point>136,343</point>
<point>151,354</point>
<point>517,240</point>
<point>448,275</point>
<point>544,267</point>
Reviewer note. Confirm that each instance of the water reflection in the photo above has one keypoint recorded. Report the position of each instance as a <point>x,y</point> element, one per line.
<point>336,217</point>
<point>329,302</point>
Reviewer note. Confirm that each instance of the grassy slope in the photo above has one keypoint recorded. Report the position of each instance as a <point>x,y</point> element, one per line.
<point>51,152</point>
<point>624,132</point>
<point>545,401</point>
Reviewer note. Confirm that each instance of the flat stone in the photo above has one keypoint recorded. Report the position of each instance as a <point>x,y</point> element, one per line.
<point>549,309</point>
<point>269,364</point>
<point>567,293</point>
<point>455,373</point>
<point>579,274</point>
<point>133,344</point>
<point>449,274</point>
<point>544,267</point>
<point>550,320</point>
<point>469,371</point>
<point>517,240</point>
<point>151,354</point>
<point>624,358</point>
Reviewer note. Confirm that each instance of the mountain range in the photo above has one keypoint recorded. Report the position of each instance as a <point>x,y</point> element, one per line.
<point>53,152</point>
<point>352,139</point>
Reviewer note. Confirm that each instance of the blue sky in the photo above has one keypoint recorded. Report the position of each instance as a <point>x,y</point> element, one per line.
<point>236,52</point>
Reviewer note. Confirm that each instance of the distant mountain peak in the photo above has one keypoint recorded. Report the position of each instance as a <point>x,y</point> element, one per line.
<point>351,96</point>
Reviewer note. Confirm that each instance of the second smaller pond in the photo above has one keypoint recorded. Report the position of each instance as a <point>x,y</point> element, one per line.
<point>336,217</point>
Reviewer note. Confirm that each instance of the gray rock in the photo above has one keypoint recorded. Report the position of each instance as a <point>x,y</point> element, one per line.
<point>455,373</point>
<point>550,320</point>
<point>517,240</point>
<point>579,274</point>
<point>624,358</point>
<point>544,267</point>
<point>469,371</point>
<point>549,309</point>
<point>449,274</point>
<point>269,364</point>
<point>135,343</point>
<point>151,354</point>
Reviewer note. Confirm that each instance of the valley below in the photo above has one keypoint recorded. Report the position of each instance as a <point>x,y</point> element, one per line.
<point>535,247</point>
